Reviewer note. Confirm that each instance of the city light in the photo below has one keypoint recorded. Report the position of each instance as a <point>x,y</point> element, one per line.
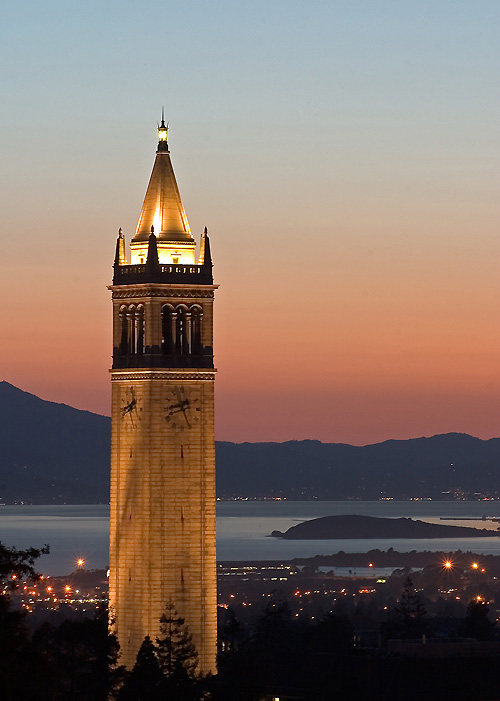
<point>474,565</point>
<point>80,562</point>
<point>448,564</point>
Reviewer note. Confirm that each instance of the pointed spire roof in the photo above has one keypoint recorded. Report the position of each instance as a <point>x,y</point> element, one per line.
<point>162,207</point>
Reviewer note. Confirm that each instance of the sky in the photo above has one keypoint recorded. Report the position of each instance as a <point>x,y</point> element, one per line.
<point>344,155</point>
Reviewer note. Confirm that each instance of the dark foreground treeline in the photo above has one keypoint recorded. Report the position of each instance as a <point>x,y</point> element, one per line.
<point>277,656</point>
<point>276,653</point>
<point>281,658</point>
<point>289,659</point>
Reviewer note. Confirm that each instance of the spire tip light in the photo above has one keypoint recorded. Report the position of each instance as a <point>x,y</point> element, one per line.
<point>162,128</point>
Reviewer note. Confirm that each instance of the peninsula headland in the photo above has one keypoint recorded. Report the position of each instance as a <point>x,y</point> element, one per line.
<point>369,527</point>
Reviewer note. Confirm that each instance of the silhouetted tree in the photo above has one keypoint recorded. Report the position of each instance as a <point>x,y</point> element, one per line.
<point>174,646</point>
<point>232,631</point>
<point>20,562</point>
<point>262,659</point>
<point>332,634</point>
<point>476,623</point>
<point>409,614</point>
<point>177,657</point>
<point>272,629</point>
<point>146,681</point>
<point>77,659</point>
<point>13,639</point>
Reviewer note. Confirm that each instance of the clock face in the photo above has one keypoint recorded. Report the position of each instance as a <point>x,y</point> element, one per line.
<point>183,408</point>
<point>130,408</point>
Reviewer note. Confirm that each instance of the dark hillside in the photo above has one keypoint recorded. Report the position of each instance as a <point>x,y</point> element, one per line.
<point>52,453</point>
<point>453,465</point>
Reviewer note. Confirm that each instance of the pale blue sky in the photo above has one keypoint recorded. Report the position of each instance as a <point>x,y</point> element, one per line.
<point>373,85</point>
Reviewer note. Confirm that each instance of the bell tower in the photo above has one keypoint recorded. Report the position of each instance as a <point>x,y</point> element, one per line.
<point>162,513</point>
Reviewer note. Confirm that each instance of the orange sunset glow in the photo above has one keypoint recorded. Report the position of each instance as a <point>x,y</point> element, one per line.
<point>349,189</point>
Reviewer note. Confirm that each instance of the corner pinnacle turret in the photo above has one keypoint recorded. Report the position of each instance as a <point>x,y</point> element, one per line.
<point>120,258</point>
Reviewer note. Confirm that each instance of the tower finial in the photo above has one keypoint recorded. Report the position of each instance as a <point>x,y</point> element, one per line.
<point>162,133</point>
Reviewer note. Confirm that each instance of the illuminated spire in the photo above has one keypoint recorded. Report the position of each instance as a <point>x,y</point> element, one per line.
<point>162,207</point>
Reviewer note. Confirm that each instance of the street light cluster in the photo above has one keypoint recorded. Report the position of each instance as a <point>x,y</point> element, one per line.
<point>448,564</point>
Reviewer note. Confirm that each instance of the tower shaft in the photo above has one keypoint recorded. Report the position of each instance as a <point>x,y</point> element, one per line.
<point>162,506</point>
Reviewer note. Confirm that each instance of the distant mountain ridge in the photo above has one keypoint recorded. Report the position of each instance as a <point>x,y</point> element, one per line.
<point>453,465</point>
<point>51,453</point>
<point>55,454</point>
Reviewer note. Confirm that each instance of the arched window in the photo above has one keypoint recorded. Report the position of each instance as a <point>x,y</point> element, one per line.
<point>124,330</point>
<point>139,330</point>
<point>196,319</point>
<point>181,332</point>
<point>132,330</point>
<point>167,329</point>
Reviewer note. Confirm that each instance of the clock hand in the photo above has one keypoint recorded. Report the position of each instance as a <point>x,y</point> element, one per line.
<point>174,408</point>
<point>182,405</point>
<point>185,416</point>
<point>129,407</point>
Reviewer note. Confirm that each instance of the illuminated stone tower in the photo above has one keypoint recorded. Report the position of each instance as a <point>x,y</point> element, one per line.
<point>162,533</point>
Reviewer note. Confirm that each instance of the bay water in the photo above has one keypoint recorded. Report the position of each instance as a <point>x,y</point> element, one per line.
<point>243,529</point>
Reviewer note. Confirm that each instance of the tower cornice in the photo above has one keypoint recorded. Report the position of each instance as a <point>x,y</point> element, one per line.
<point>175,375</point>
<point>158,290</point>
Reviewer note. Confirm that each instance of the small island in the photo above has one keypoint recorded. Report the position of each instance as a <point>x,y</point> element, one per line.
<point>369,527</point>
